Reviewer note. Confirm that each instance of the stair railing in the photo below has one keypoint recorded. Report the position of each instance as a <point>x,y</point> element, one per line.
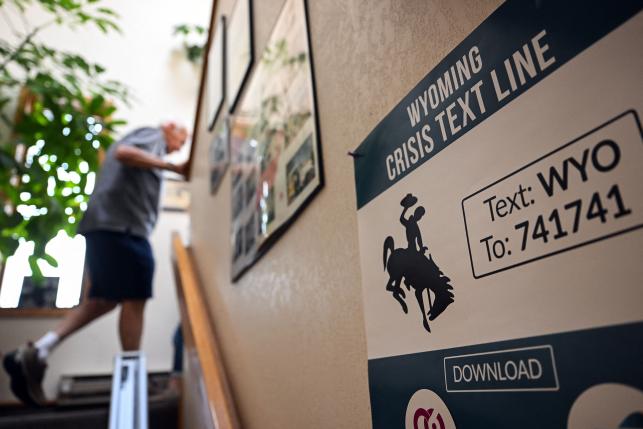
<point>199,334</point>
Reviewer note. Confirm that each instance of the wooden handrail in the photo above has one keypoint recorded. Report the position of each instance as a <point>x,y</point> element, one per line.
<point>198,327</point>
<point>33,312</point>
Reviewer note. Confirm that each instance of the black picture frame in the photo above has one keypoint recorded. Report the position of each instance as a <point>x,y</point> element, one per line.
<point>216,50</point>
<point>219,153</point>
<point>240,24</point>
<point>33,295</point>
<point>245,168</point>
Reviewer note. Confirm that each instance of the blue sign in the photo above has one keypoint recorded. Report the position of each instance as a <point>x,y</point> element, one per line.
<point>568,365</point>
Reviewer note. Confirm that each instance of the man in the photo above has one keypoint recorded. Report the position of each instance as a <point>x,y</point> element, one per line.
<point>119,263</point>
<point>413,234</point>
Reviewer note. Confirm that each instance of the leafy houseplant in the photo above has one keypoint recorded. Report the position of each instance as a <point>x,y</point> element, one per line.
<point>50,147</point>
<point>193,37</point>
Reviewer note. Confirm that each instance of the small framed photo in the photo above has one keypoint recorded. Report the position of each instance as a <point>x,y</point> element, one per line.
<point>176,196</point>
<point>219,152</point>
<point>239,50</point>
<point>215,72</point>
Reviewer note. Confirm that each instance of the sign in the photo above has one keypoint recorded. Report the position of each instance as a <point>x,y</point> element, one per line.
<point>500,213</point>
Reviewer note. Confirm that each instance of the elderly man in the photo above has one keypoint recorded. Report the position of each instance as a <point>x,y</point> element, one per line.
<point>119,263</point>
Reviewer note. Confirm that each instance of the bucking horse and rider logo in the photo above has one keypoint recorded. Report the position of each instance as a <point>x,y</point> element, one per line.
<point>418,270</point>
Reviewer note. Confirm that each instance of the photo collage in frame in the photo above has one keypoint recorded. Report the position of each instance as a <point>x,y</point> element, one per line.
<point>276,166</point>
<point>215,73</point>
<point>219,155</point>
<point>231,58</point>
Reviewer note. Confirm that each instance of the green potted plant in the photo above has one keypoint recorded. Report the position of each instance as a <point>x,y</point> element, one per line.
<point>193,39</point>
<point>56,110</point>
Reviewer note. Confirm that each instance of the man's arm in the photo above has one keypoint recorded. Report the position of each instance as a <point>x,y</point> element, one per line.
<point>403,220</point>
<point>421,245</point>
<point>135,157</point>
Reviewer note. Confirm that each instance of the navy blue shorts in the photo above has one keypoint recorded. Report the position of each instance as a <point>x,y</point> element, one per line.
<point>121,265</point>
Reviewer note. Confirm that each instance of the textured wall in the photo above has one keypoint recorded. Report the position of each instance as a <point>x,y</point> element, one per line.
<point>292,328</point>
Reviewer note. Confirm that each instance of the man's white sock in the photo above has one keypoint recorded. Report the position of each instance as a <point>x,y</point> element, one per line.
<point>46,344</point>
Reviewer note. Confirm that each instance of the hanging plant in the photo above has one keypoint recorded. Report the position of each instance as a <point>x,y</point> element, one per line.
<point>193,41</point>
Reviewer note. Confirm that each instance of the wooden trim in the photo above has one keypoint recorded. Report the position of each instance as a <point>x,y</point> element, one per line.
<point>34,312</point>
<point>195,318</point>
<point>17,405</point>
<point>199,102</point>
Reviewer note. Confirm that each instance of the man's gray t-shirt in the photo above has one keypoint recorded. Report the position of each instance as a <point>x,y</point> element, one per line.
<point>126,199</point>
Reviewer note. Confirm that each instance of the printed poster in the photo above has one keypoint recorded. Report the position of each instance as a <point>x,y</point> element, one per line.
<point>500,207</point>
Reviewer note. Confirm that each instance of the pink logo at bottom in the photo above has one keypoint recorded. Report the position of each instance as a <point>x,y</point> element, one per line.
<point>426,410</point>
<point>431,420</point>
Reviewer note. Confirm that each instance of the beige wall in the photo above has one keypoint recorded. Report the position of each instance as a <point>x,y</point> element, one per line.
<point>292,328</point>
<point>145,57</point>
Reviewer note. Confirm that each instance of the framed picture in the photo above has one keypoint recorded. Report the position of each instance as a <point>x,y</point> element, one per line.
<point>239,50</point>
<point>203,116</point>
<point>219,153</point>
<point>38,296</point>
<point>176,195</point>
<point>216,72</point>
<point>276,164</point>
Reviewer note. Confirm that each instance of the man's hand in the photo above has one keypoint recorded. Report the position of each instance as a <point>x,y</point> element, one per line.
<point>181,168</point>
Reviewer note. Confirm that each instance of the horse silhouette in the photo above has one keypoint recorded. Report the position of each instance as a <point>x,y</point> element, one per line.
<point>419,272</point>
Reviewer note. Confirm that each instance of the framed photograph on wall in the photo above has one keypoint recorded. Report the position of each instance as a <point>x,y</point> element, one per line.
<point>219,152</point>
<point>275,145</point>
<point>176,195</point>
<point>239,50</point>
<point>215,73</point>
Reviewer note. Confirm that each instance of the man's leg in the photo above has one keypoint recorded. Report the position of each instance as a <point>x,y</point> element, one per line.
<point>26,366</point>
<point>130,325</point>
<point>88,310</point>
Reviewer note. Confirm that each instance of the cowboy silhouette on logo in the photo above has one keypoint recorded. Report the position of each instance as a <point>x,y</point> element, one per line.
<point>417,270</point>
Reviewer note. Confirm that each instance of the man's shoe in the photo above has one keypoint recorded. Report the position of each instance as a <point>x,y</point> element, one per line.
<point>18,384</point>
<point>27,372</point>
